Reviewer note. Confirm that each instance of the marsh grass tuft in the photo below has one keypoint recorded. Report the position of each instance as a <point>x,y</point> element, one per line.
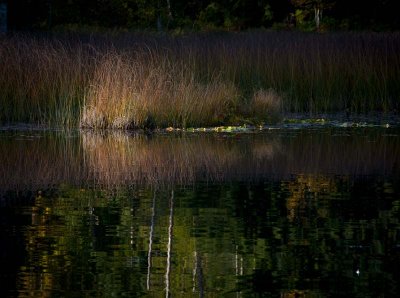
<point>136,80</point>
<point>130,92</point>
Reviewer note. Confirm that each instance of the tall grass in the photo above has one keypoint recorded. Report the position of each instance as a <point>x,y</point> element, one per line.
<point>148,89</point>
<point>148,80</point>
<point>42,81</point>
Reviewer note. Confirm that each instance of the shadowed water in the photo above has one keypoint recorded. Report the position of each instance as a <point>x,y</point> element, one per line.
<point>287,212</point>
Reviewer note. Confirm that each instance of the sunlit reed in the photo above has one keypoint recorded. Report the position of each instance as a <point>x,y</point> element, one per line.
<point>138,80</point>
<point>148,90</point>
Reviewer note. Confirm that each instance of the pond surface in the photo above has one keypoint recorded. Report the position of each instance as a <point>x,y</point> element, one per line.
<point>306,212</point>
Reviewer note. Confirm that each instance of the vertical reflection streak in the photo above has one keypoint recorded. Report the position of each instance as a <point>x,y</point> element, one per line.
<point>170,226</point>
<point>194,271</point>
<point>153,212</point>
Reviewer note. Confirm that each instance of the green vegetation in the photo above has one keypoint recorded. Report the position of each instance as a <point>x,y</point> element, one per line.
<point>191,80</point>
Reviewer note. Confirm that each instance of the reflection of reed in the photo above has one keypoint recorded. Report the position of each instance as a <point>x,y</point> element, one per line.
<point>153,214</point>
<point>33,160</point>
<point>341,152</point>
<point>117,158</point>
<point>169,249</point>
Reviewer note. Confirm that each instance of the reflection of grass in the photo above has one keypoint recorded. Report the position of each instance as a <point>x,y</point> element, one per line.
<point>195,80</point>
<point>117,158</point>
<point>36,160</point>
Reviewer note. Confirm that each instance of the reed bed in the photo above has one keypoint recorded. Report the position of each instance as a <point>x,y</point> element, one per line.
<point>42,81</point>
<point>203,79</point>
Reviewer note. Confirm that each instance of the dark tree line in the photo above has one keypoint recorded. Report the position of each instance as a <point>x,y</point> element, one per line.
<point>204,14</point>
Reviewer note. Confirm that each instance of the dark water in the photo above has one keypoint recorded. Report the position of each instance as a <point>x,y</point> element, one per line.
<point>282,213</point>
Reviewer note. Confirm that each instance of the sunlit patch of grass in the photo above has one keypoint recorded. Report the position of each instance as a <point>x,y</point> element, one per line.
<point>150,91</point>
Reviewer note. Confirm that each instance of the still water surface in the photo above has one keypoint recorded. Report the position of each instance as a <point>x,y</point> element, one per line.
<point>283,213</point>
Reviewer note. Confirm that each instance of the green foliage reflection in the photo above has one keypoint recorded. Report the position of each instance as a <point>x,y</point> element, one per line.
<point>303,235</point>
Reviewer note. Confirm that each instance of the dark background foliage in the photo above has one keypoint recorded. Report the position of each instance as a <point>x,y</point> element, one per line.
<point>374,15</point>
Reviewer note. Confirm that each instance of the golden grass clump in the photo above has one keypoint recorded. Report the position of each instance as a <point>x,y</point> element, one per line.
<point>127,92</point>
<point>111,95</point>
